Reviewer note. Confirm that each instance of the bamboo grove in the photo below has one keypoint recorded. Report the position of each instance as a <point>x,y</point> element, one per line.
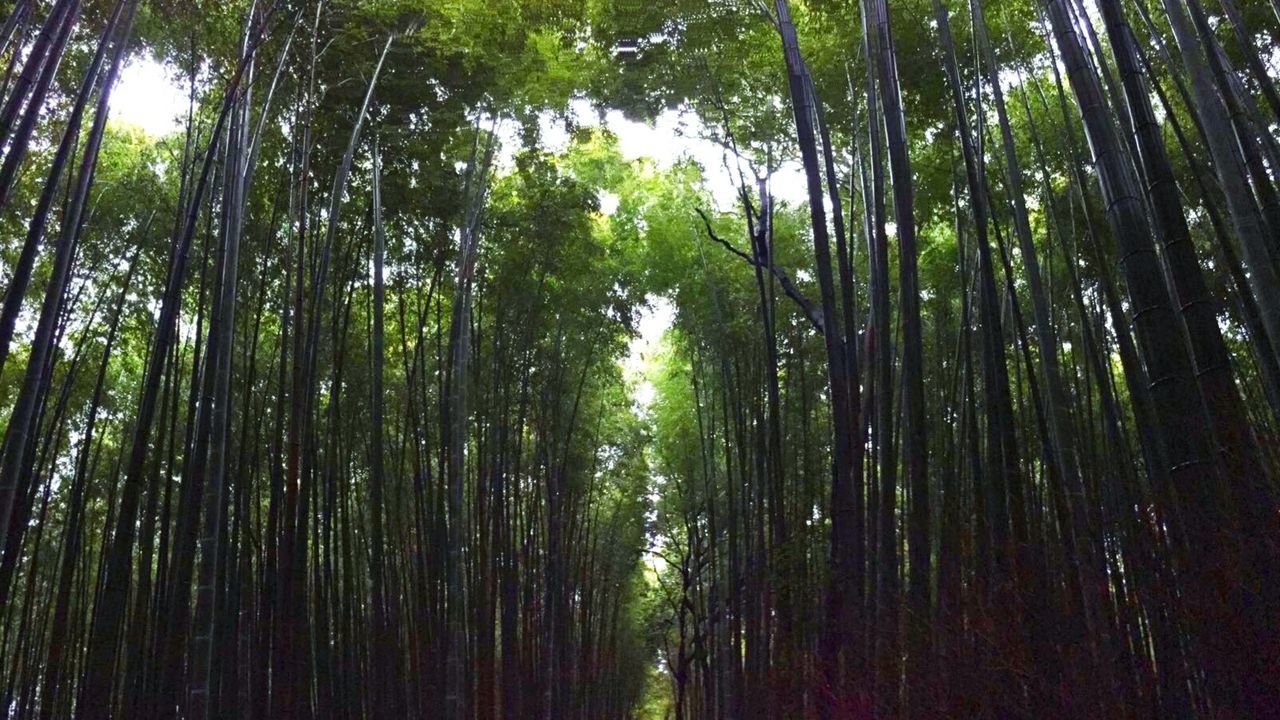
<point>338,401</point>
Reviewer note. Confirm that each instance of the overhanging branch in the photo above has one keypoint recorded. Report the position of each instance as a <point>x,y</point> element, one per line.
<point>810,312</point>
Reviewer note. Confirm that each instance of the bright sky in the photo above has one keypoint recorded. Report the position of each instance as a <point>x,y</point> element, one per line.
<point>671,137</point>
<point>655,319</point>
<point>148,97</point>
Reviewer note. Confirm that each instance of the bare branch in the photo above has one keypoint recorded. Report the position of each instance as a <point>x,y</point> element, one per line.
<point>811,313</point>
